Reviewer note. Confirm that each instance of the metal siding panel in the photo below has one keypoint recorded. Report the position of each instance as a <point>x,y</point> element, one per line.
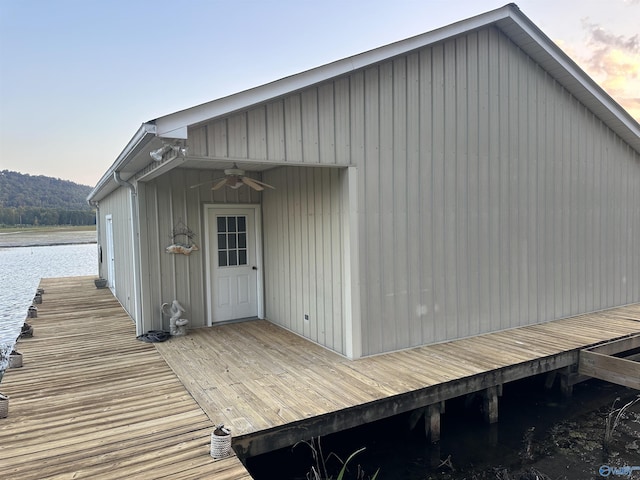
<point>372,268</point>
<point>357,120</point>
<point>461,162</point>
<point>484,183</point>
<point>532,158</point>
<point>555,163</point>
<point>197,300</point>
<point>336,191</point>
<point>320,235</point>
<point>343,129</point>
<point>451,239</point>
<point>415,221</point>
<point>438,198</point>
<point>293,128</point>
<point>386,192</point>
<point>425,190</point>
<point>275,131</point>
<point>525,242</point>
<point>473,185</point>
<point>217,139</point>
<point>400,224</point>
<point>597,213</point>
<point>198,141</point>
<point>504,185</point>
<point>326,125</point>
<point>565,199</point>
<point>237,136</point>
<point>257,133</point>
<point>512,142</point>
<point>307,245</point>
<point>298,274</point>
<point>152,248</point>
<point>574,210</point>
<point>635,203</point>
<point>494,181</point>
<point>310,141</point>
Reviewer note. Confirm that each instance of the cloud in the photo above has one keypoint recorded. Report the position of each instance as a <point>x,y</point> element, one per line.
<point>614,62</point>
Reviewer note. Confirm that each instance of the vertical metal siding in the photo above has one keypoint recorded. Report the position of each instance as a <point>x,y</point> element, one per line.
<point>312,127</point>
<point>488,198</point>
<point>303,252</point>
<point>518,205</point>
<point>168,201</point>
<point>118,206</point>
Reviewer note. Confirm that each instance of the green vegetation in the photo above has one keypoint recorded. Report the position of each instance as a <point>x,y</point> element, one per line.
<point>27,200</point>
<point>319,470</point>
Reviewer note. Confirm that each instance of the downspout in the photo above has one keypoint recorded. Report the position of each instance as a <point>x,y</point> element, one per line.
<point>135,233</point>
<point>96,205</point>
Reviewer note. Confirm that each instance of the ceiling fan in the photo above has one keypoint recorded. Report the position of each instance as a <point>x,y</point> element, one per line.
<point>235,178</point>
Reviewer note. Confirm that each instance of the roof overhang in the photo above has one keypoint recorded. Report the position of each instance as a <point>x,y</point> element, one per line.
<point>509,19</point>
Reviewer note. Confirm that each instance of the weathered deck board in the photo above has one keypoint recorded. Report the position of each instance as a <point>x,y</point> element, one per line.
<point>93,402</point>
<point>258,378</point>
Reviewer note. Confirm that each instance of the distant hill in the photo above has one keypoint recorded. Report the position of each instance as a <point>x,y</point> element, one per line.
<point>39,200</point>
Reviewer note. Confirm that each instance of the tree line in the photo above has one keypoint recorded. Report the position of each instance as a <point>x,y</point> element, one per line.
<point>39,200</point>
<point>45,216</point>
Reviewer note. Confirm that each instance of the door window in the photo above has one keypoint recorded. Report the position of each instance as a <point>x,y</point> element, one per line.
<point>232,240</point>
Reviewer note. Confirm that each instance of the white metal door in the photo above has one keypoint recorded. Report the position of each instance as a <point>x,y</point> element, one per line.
<point>233,264</point>
<point>111,270</point>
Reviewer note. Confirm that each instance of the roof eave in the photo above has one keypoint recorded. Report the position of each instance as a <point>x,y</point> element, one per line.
<point>508,18</point>
<point>141,138</point>
<point>567,72</point>
<point>224,106</point>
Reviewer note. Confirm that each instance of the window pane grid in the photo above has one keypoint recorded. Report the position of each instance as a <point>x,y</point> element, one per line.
<point>232,241</point>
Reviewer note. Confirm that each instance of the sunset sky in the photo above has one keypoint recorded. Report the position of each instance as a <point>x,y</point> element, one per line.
<point>78,77</point>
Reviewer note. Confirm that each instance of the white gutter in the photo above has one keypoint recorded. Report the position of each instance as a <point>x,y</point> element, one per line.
<point>135,239</point>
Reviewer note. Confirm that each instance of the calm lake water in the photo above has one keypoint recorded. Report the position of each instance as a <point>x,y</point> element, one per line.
<point>21,269</point>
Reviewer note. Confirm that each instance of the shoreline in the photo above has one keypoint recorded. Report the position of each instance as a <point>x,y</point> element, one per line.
<point>47,237</point>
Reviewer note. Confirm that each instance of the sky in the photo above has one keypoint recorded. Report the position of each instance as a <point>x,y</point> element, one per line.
<point>79,77</point>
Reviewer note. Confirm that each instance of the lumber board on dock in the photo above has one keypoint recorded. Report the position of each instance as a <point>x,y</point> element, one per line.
<point>91,401</point>
<point>611,369</point>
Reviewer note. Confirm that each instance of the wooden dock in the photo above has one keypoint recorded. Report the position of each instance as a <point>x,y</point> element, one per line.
<point>274,388</point>
<point>91,401</point>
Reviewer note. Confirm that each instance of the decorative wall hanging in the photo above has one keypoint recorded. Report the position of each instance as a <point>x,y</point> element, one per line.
<point>182,240</point>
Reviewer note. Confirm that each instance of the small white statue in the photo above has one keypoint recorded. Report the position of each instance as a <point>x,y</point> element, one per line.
<point>177,325</point>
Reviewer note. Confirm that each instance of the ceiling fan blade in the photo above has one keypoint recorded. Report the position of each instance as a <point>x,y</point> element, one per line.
<point>220,184</point>
<point>263,184</point>
<point>252,183</point>
<point>207,182</point>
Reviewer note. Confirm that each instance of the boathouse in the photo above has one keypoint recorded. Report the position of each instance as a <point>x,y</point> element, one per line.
<point>468,180</point>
